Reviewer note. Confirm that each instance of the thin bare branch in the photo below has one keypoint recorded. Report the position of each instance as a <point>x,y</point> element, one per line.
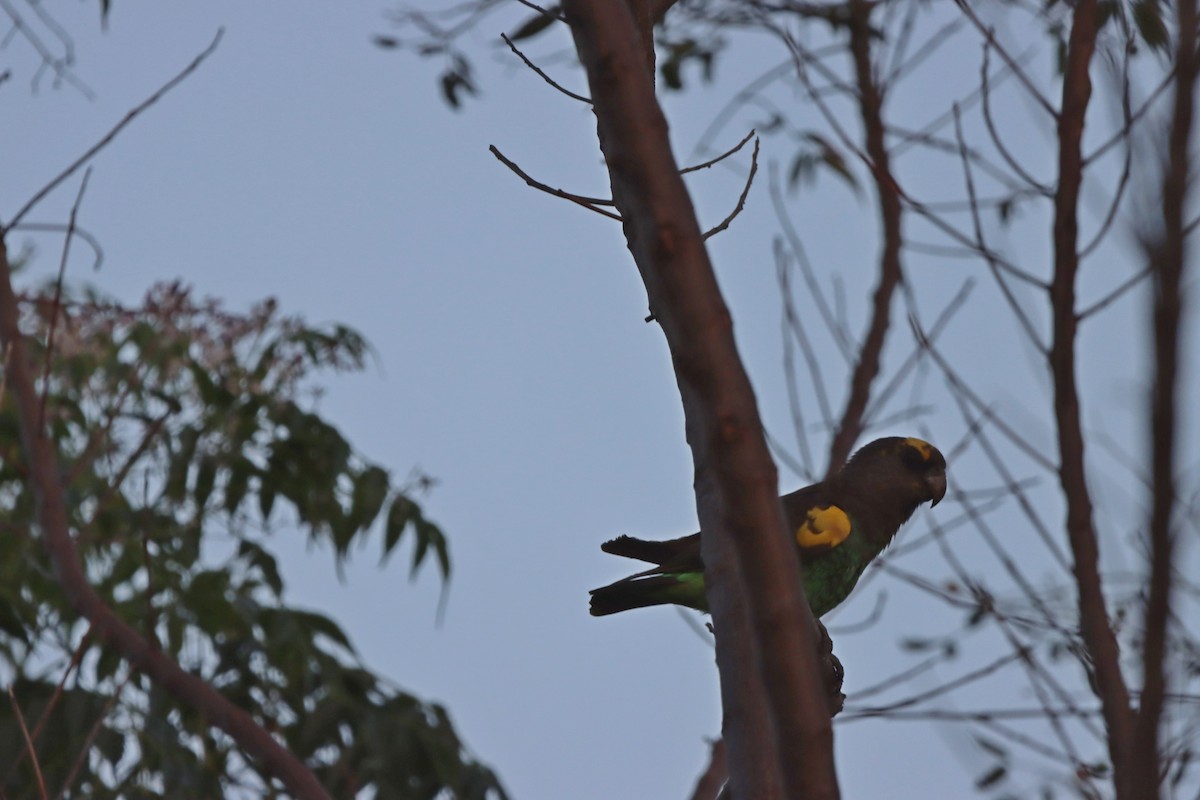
<point>836,330</point>
<point>543,11</point>
<point>60,65</point>
<point>891,212</point>
<point>708,787</point>
<point>1114,204</point>
<point>33,759</point>
<point>1170,259</point>
<point>944,688</point>
<point>543,75</point>
<point>52,703</point>
<point>1115,294</point>
<point>58,285</point>
<point>958,384</point>
<point>93,732</point>
<point>58,227</point>
<point>741,203</point>
<point>1017,308</point>
<point>794,332</point>
<point>1095,627</point>
<point>725,155</point>
<point>956,303</point>
<point>990,37</point>
<point>589,203</point>
<point>948,715</point>
<point>108,137</point>
<point>990,123</point>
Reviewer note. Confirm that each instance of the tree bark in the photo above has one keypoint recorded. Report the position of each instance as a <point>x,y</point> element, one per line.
<point>777,723</point>
<point>1095,629</point>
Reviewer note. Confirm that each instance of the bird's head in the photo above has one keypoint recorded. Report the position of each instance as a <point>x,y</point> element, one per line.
<point>910,467</point>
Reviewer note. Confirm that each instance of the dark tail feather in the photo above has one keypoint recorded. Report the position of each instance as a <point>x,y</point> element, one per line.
<point>624,595</point>
<point>652,552</point>
<point>639,592</point>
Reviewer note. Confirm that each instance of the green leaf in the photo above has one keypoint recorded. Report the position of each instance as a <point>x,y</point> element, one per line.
<point>441,549</point>
<point>206,476</point>
<point>370,490</point>
<point>401,512</point>
<point>176,486</point>
<point>536,24</point>
<point>992,747</point>
<point>237,483</point>
<point>802,168</point>
<point>266,496</point>
<point>320,624</point>
<point>1147,16</point>
<point>991,777</point>
<point>257,557</point>
<point>456,81</point>
<point>430,535</point>
<point>1005,209</point>
<point>832,158</point>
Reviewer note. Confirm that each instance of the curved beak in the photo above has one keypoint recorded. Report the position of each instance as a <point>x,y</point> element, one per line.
<point>937,487</point>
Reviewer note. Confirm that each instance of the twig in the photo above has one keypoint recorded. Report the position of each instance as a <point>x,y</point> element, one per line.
<point>943,689</point>
<point>589,203</point>
<point>981,246</point>
<point>543,11</point>
<point>928,48</point>
<point>957,303</point>
<point>990,123</point>
<point>725,155</point>
<point>916,670</point>
<point>58,227</point>
<point>1107,224</point>
<point>81,756</point>
<point>544,76</point>
<point>1115,294</point>
<point>108,137</point>
<point>58,285</point>
<point>1122,134</point>
<point>840,336</point>
<point>33,759</point>
<point>115,483</point>
<point>793,330</point>
<point>741,203</point>
<point>76,657</point>
<point>957,382</point>
<point>715,775</point>
<point>948,715</point>
<point>1170,257</point>
<point>1095,627</point>
<point>990,36</point>
<point>891,212</point>
<point>1015,489</point>
<point>61,66</point>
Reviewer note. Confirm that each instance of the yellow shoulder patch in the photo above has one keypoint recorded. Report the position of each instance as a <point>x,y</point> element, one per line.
<point>921,446</point>
<point>824,527</point>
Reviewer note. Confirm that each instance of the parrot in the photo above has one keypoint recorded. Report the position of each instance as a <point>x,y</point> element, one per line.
<point>839,526</point>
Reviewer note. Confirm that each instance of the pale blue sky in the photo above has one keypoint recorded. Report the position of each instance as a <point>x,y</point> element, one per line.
<point>513,363</point>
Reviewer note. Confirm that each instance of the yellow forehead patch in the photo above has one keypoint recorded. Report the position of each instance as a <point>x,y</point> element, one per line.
<point>921,446</point>
<point>823,527</point>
